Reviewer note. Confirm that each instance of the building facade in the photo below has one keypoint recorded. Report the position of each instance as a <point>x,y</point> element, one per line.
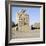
<point>23,21</point>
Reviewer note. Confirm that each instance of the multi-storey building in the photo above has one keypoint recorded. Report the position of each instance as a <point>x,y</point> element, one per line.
<point>22,19</point>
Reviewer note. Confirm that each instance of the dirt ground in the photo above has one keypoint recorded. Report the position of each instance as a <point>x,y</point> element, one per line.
<point>31,34</point>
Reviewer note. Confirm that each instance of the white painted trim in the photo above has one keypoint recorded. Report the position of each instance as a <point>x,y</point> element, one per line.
<point>32,39</point>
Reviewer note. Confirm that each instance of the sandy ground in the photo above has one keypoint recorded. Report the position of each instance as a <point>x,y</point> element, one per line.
<point>31,34</point>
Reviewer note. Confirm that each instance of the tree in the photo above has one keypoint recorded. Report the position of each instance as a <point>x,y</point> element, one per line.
<point>13,24</point>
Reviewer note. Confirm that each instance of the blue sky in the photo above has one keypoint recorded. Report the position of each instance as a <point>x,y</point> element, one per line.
<point>34,13</point>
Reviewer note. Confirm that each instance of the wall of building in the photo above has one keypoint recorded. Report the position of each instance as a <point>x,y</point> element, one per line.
<point>3,23</point>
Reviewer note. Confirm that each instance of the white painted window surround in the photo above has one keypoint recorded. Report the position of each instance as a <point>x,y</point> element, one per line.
<point>45,32</point>
<point>45,14</point>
